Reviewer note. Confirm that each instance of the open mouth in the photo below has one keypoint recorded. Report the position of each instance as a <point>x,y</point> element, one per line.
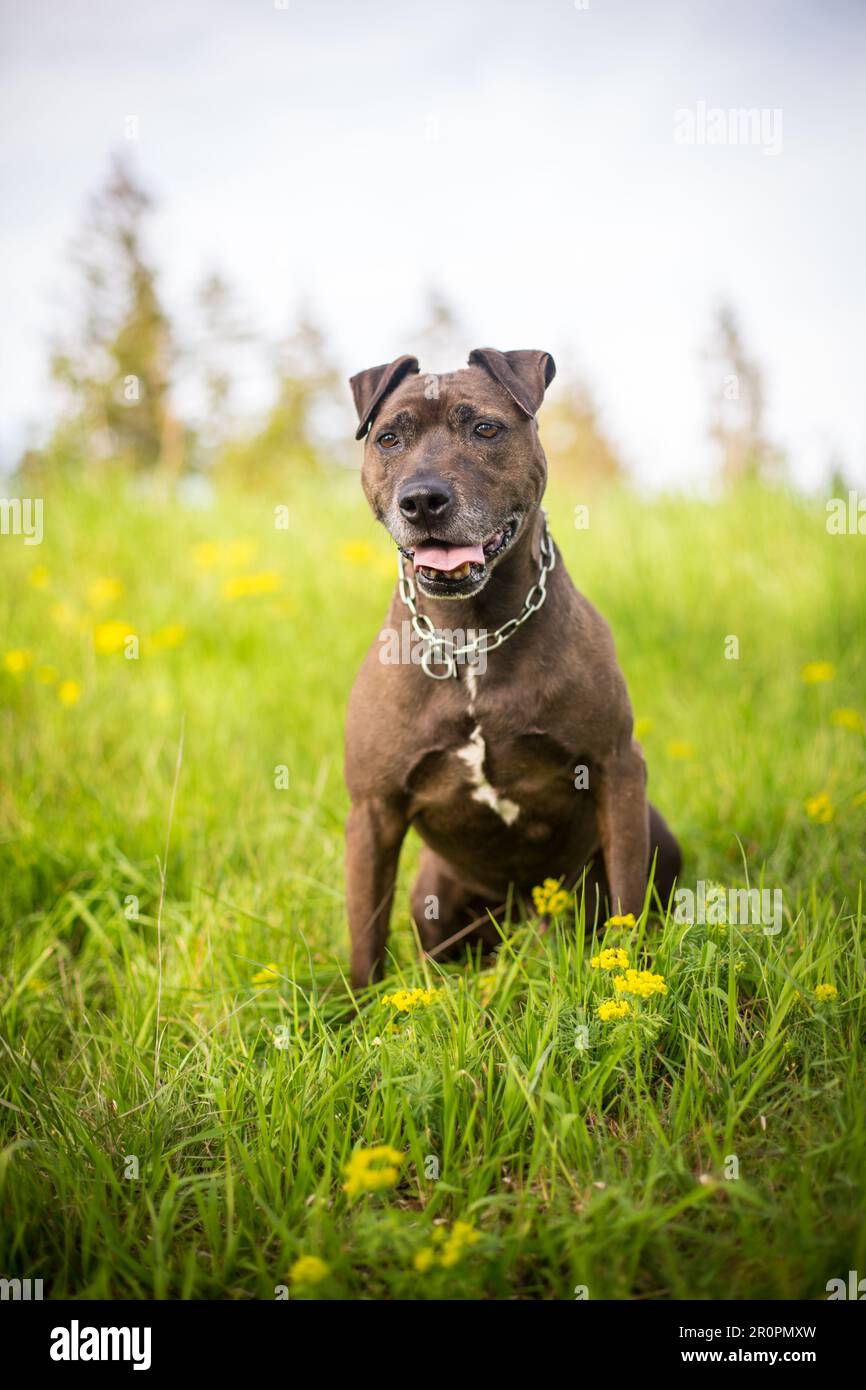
<point>447,569</point>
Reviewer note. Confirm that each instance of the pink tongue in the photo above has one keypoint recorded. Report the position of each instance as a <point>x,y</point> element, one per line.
<point>447,557</point>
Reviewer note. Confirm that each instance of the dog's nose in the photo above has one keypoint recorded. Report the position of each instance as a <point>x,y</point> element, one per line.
<point>425,502</point>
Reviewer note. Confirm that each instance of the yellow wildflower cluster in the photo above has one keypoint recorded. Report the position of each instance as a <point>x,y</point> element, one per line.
<point>613,1009</point>
<point>371,1170</point>
<point>824,993</point>
<point>550,898</point>
<point>69,693</point>
<point>640,982</point>
<point>452,1244</point>
<point>819,808</point>
<point>680,749</point>
<point>103,591</point>
<point>17,662</point>
<point>309,1269</point>
<point>167,638</point>
<point>405,1000</point>
<point>111,636</point>
<point>625,919</point>
<point>612,958</point>
<point>252,585</point>
<point>848,719</point>
<point>814,672</point>
<point>224,554</point>
<point>268,975</point>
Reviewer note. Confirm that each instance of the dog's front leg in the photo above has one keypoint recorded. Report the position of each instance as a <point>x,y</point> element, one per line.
<point>375,832</point>
<point>623,825</point>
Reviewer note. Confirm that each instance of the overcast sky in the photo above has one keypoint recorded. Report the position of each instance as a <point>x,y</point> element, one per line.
<point>522,156</point>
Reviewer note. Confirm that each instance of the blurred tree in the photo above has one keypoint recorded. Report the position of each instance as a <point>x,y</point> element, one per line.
<point>575,442</point>
<point>310,396</point>
<point>737,422</point>
<point>222,331</point>
<point>116,371</point>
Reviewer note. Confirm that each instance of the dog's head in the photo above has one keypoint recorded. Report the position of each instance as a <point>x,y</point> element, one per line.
<point>453,465</point>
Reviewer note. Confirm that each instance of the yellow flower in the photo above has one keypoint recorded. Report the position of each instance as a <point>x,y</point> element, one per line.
<point>39,577</point>
<point>111,636</point>
<point>643,727</point>
<point>848,719</point>
<point>69,693</point>
<point>819,808</point>
<point>357,552</point>
<point>18,661</point>
<point>404,1000</point>
<point>371,1170</point>
<point>63,614</point>
<point>167,637</point>
<point>451,1246</point>
<point>362,553</point>
<point>621,920</point>
<point>680,749</point>
<point>268,975</point>
<point>462,1234</point>
<point>824,993</point>
<point>46,675</point>
<point>815,671</point>
<point>640,982</point>
<point>549,898</point>
<point>309,1269</point>
<point>613,1009</point>
<point>612,958</point>
<point>103,591</point>
<point>206,554</point>
<point>251,585</point>
<point>224,554</point>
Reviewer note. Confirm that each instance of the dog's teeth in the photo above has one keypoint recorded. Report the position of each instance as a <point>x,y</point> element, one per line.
<point>460,573</point>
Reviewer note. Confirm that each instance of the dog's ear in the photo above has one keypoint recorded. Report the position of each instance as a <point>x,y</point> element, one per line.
<point>524,374</point>
<point>370,388</point>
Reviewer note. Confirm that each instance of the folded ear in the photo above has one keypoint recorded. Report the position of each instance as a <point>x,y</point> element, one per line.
<point>370,388</point>
<point>524,374</point>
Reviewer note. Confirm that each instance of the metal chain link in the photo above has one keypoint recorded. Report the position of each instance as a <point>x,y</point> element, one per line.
<point>437,645</point>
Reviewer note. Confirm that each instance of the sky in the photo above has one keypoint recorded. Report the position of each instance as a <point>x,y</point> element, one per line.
<point>530,160</point>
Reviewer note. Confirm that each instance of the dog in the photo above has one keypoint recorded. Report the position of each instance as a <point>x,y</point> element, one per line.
<point>511,752</point>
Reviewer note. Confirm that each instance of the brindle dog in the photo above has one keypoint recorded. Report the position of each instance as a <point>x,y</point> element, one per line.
<point>484,765</point>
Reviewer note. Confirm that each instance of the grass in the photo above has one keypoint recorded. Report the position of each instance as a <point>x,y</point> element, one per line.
<point>581,1153</point>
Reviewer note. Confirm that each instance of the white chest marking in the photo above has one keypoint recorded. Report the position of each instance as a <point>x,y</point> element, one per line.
<point>473,757</point>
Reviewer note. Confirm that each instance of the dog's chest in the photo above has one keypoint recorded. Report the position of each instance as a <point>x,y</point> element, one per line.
<point>492,768</point>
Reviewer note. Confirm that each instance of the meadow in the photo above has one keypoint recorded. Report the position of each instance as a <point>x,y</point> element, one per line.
<point>190,1106</point>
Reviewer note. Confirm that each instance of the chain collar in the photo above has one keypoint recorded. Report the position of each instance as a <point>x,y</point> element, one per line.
<point>440,650</point>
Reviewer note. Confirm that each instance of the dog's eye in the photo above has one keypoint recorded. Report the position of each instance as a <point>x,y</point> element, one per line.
<point>388,439</point>
<point>487,429</point>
